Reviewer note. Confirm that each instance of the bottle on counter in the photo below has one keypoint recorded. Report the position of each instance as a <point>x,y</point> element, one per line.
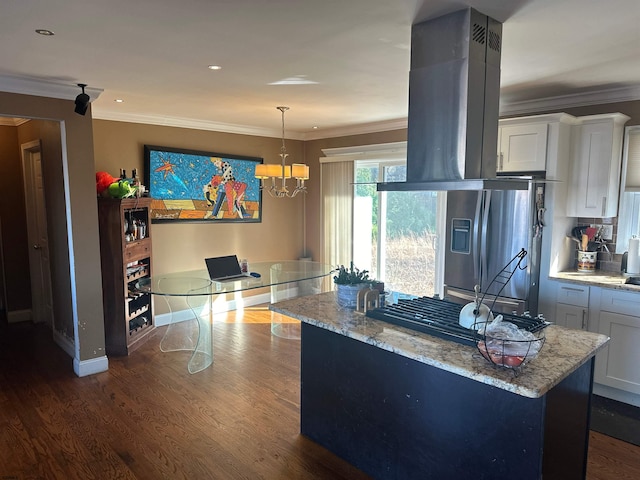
<point>136,182</point>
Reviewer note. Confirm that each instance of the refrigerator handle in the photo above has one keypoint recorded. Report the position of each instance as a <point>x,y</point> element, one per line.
<point>475,248</point>
<point>483,236</point>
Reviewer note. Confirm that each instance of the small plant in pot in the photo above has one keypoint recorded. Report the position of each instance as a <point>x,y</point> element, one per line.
<point>349,281</point>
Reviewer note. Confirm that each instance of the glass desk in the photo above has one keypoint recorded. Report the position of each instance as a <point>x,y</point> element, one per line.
<point>286,279</point>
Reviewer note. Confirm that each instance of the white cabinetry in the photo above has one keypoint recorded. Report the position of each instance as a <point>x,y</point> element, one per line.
<point>619,319</point>
<point>595,166</point>
<point>534,144</point>
<point>522,148</point>
<point>572,307</point>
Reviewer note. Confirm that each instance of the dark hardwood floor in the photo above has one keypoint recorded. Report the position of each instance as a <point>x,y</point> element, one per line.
<point>148,418</point>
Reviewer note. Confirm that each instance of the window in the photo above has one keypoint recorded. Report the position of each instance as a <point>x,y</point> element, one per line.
<point>395,234</point>
<point>629,215</point>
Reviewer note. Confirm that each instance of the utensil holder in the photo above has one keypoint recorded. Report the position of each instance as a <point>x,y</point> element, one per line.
<point>587,261</point>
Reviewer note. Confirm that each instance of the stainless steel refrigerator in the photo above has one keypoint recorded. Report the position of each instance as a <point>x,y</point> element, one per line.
<point>485,231</point>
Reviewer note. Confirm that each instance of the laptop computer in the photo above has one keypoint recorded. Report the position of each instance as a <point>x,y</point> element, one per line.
<point>225,268</point>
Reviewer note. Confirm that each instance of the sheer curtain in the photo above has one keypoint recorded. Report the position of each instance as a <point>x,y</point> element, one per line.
<point>629,214</point>
<point>337,211</point>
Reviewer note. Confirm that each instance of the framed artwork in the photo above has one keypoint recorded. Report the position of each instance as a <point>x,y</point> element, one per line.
<point>195,186</point>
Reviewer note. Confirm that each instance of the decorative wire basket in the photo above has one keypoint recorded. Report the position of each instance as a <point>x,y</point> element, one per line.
<point>507,353</point>
<point>504,350</point>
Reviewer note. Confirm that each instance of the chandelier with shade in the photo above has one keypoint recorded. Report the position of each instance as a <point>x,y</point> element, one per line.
<point>281,173</point>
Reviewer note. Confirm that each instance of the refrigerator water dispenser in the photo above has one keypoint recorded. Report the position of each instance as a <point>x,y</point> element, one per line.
<point>461,235</point>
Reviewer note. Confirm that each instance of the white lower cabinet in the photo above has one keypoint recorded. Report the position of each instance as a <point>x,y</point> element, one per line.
<point>572,307</point>
<point>571,316</point>
<point>618,363</point>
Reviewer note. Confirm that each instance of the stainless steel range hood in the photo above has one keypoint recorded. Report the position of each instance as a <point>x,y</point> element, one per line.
<point>454,94</point>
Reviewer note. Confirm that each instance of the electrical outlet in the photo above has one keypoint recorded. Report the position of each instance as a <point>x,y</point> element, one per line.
<point>607,232</point>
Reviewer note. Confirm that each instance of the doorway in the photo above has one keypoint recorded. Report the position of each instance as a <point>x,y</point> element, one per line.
<point>3,284</point>
<point>39,261</point>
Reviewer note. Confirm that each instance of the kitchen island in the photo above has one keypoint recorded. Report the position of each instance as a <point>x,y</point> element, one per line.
<point>402,404</point>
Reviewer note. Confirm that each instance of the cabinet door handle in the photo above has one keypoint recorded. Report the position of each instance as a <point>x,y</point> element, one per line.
<point>604,206</point>
<point>573,289</point>
<point>501,161</point>
<point>584,319</point>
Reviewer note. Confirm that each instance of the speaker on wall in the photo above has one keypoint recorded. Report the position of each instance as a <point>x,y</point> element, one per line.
<point>82,101</point>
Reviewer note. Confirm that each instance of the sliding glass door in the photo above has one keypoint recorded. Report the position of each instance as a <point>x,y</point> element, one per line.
<point>396,234</point>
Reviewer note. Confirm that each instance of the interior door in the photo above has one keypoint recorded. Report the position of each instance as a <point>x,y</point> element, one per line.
<point>39,266</point>
<point>3,283</point>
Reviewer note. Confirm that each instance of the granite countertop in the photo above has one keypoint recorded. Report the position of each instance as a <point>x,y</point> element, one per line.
<point>599,278</point>
<point>563,352</point>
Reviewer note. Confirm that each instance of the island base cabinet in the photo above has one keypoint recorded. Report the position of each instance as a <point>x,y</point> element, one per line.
<point>395,418</point>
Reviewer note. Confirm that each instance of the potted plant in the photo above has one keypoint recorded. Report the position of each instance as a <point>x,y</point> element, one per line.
<point>349,281</point>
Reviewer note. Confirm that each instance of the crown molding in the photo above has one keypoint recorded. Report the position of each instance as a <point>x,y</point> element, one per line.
<point>383,148</point>
<point>360,129</point>
<point>180,122</point>
<point>594,97</point>
<point>45,88</point>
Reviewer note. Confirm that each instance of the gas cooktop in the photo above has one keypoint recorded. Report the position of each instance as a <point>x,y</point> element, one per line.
<point>440,318</point>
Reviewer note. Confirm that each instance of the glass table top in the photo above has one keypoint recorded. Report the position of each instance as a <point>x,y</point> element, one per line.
<point>197,282</point>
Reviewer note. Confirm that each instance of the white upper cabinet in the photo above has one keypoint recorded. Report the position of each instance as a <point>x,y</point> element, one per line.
<point>523,148</point>
<point>533,144</point>
<point>594,177</point>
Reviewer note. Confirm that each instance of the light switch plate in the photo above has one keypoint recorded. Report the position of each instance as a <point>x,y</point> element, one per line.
<point>607,232</point>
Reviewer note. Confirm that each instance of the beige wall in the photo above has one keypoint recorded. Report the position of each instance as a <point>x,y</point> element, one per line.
<point>77,223</point>
<point>183,245</point>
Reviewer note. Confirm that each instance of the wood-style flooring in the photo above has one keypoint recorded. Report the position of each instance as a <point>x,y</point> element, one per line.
<point>148,418</point>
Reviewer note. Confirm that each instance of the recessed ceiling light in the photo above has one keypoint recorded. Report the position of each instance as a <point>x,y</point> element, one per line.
<point>314,127</point>
<point>297,80</point>
<point>119,100</point>
<point>45,32</point>
<point>215,67</point>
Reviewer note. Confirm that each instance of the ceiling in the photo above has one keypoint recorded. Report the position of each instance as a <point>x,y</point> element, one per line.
<point>340,65</point>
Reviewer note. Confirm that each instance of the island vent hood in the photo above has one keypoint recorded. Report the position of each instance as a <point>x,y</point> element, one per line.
<point>454,98</point>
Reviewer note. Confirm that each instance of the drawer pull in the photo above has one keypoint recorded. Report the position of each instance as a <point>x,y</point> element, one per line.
<point>581,290</point>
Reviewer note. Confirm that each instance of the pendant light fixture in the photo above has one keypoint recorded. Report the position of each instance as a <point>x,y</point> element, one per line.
<point>280,173</point>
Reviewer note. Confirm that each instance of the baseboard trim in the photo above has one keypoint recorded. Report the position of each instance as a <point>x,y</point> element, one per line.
<point>92,366</point>
<point>221,305</point>
<point>616,394</point>
<point>16,316</point>
<point>65,343</point>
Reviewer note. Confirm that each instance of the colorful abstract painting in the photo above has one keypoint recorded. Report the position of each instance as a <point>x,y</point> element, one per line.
<point>188,185</point>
